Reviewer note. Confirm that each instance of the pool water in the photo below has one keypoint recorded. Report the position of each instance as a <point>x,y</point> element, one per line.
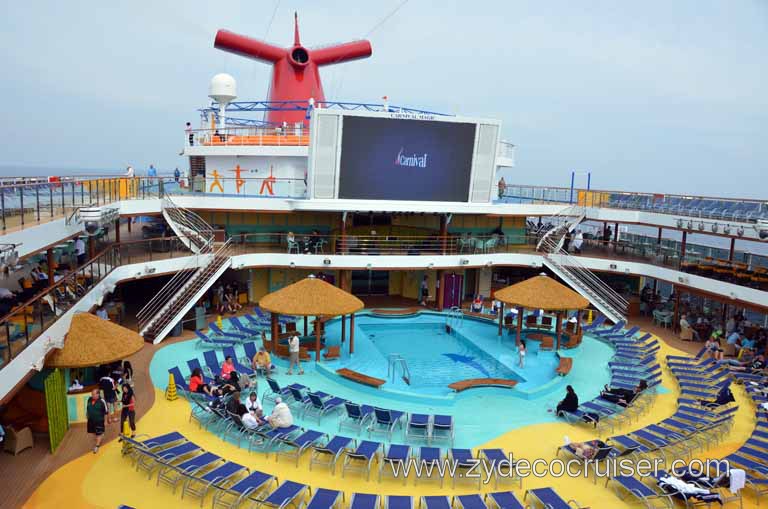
<point>435,358</point>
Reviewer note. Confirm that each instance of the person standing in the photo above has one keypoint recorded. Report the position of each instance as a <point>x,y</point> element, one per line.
<point>521,354</point>
<point>109,389</point>
<point>176,175</point>
<point>95,411</point>
<point>152,171</point>
<point>293,352</point>
<point>190,134</point>
<point>578,241</point>
<point>129,409</point>
<point>129,172</point>
<point>80,250</point>
<point>424,292</point>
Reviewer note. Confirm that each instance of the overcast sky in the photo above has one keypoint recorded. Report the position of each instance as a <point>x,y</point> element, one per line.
<point>655,96</point>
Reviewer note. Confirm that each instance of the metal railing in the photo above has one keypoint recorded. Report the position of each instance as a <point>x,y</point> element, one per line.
<point>283,136</point>
<point>188,226</point>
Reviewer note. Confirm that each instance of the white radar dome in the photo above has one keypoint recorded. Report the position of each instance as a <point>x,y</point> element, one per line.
<point>223,88</point>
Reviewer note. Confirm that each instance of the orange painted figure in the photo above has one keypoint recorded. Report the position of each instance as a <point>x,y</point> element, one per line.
<point>268,183</point>
<point>239,182</point>
<point>216,182</point>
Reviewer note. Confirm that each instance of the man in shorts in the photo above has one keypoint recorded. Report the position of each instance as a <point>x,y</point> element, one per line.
<point>109,389</point>
<point>96,411</point>
<point>293,352</point>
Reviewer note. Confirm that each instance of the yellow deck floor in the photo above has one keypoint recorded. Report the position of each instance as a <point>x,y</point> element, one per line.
<point>107,479</point>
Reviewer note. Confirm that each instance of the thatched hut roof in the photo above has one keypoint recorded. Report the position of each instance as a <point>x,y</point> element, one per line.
<point>311,297</point>
<point>92,341</point>
<point>541,292</point>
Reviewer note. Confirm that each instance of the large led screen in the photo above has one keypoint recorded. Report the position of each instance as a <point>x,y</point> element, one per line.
<point>397,159</point>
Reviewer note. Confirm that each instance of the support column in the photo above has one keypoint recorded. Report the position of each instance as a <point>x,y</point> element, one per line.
<point>658,241</point>
<point>50,261</point>
<point>130,220</point>
<point>317,339</point>
<point>352,333</point>
<point>732,251</point>
<point>559,328</point>
<point>682,247</point>
<point>615,236</point>
<point>273,325</point>
<point>306,319</point>
<point>343,328</point>
<point>676,314</point>
<point>725,314</point>
<point>501,318</point>
<point>519,324</point>
<point>578,322</point>
<point>117,230</point>
<point>91,247</point>
<point>443,233</point>
<point>440,291</point>
<point>343,236</point>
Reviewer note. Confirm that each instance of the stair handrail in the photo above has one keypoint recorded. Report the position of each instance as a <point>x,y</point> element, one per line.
<point>200,274</point>
<point>150,309</point>
<point>188,221</point>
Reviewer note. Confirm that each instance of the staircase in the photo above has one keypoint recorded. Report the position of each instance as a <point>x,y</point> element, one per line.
<point>569,268</point>
<point>158,317</point>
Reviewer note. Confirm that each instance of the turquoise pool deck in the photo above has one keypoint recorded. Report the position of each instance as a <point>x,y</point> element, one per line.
<point>480,414</point>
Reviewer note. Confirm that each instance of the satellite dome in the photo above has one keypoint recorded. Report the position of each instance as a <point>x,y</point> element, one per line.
<point>223,88</point>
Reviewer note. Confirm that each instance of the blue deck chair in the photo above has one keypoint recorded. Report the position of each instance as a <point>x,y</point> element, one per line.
<point>240,367</point>
<point>358,417</point>
<point>436,502</point>
<point>417,426</point>
<point>597,322</point>
<point>272,436</point>
<point>194,364</point>
<point>550,499</point>
<point>612,330</point>
<point>287,493</point>
<point>234,336</point>
<point>274,390</point>
<point>262,316</point>
<point>150,460</point>
<point>470,502</point>
<point>361,458</point>
<point>442,428</point>
<point>250,350</point>
<point>181,382</point>
<point>364,501</point>
<point>628,334</point>
<point>738,458</point>
<point>295,447</point>
<point>212,362</point>
<point>258,322</point>
<point>222,476</point>
<point>499,461</point>
<point>504,500</point>
<point>684,358</point>
<point>133,447</point>
<point>384,421</point>
<point>320,407</point>
<point>578,416</point>
<point>173,474</point>
<point>243,328</point>
<point>641,492</point>
<point>247,488</point>
<point>203,340</point>
<point>430,456</point>
<point>398,502</point>
<point>324,499</point>
<point>640,363</point>
<point>394,455</point>
<point>465,463</point>
<point>639,342</point>
<point>329,454</point>
<point>628,444</point>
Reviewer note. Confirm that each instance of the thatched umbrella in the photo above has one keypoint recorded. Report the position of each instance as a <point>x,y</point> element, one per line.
<point>312,297</point>
<point>540,292</point>
<point>92,341</point>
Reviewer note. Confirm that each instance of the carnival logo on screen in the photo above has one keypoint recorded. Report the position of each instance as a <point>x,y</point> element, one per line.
<point>413,161</point>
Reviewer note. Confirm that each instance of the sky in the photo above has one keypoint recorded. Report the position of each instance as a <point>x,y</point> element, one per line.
<point>652,96</point>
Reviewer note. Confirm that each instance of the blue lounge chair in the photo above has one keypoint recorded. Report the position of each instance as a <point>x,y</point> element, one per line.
<point>324,499</point>
<point>295,447</point>
<point>194,364</point>
<point>357,417</point>
<point>436,502</point>
<point>597,322</point>
<point>285,494</point>
<point>429,456</point>
<point>641,492</point>
<point>465,463</point>
<point>259,322</point>
<point>243,328</point>
<point>321,407</point>
<point>442,428</point>
<point>239,367</point>
<point>274,390</point>
<point>504,500</point>
<point>470,502</point>
<point>613,330</point>
<point>233,336</point>
<point>329,453</point>
<point>628,334</point>
<point>133,448</point>
<point>361,458</point>
<point>150,460</point>
<point>212,362</point>
<point>398,502</point>
<point>640,342</point>
<point>395,455</point>
<point>179,380</point>
<point>384,421</point>
<point>247,488</point>
<point>550,499</point>
<point>173,474</point>
<point>499,462</point>
<point>203,340</point>
<point>262,316</point>
<point>222,476</point>
<point>270,437</point>
<point>364,501</point>
<point>418,426</point>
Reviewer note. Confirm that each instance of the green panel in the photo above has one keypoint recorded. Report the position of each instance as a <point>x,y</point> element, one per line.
<point>56,406</point>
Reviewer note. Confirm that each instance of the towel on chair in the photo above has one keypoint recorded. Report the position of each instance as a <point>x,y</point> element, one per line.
<point>738,478</point>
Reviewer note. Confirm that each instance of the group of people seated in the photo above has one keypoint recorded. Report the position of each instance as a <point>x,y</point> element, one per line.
<point>227,299</point>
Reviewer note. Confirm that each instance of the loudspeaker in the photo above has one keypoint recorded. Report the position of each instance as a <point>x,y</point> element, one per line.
<point>323,159</point>
<point>484,163</point>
